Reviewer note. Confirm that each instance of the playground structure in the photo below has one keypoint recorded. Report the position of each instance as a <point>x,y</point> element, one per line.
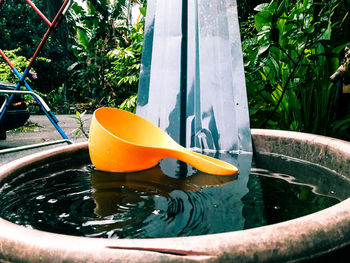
<point>9,94</point>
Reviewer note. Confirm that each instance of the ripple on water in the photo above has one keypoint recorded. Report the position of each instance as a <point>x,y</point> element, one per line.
<point>155,203</point>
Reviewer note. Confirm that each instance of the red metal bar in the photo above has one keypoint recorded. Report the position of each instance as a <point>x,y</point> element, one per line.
<point>53,25</point>
<point>7,60</point>
<point>56,19</point>
<point>39,12</point>
<point>46,36</point>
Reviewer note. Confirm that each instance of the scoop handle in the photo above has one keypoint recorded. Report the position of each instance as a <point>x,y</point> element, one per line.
<point>203,163</point>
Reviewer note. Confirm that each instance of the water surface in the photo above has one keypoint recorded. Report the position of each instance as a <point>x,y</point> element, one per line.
<point>171,199</point>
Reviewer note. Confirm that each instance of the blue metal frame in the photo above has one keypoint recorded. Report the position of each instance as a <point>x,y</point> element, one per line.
<point>48,113</point>
<point>22,77</point>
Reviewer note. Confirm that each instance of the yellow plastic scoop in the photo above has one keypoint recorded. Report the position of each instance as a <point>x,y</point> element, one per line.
<point>121,141</point>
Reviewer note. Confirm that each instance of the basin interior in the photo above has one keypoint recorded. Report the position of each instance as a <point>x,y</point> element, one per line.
<point>69,196</point>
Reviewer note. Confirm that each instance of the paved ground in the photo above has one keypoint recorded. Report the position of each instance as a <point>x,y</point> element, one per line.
<point>43,131</point>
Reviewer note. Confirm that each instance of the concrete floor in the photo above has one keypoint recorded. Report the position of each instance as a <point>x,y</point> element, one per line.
<point>43,131</point>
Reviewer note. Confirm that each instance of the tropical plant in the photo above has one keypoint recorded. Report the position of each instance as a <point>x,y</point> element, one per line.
<point>123,76</point>
<point>17,18</point>
<point>107,51</point>
<point>97,33</point>
<point>288,64</point>
<point>245,8</point>
<point>129,104</point>
<point>19,62</point>
<point>80,121</point>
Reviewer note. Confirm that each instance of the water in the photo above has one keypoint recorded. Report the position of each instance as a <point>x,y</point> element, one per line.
<point>169,200</point>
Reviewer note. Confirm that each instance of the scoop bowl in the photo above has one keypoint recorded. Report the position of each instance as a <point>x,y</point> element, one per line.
<point>120,141</point>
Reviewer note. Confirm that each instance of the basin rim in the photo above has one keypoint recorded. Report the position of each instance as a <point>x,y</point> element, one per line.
<point>292,240</point>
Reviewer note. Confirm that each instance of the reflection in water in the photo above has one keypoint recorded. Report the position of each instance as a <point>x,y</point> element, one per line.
<point>171,199</point>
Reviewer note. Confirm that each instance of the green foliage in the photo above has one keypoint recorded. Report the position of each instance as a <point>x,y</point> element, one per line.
<point>129,104</point>
<point>19,62</point>
<point>20,26</point>
<point>96,35</point>
<point>288,64</point>
<point>79,117</point>
<point>248,28</point>
<point>29,126</point>
<point>123,76</point>
<point>107,53</point>
<point>245,8</point>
